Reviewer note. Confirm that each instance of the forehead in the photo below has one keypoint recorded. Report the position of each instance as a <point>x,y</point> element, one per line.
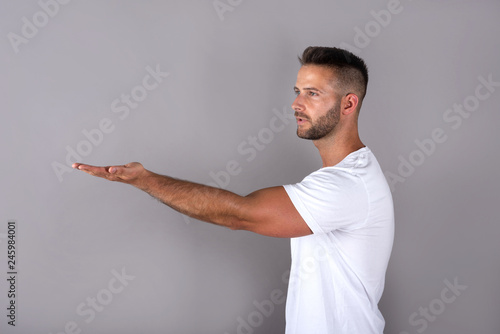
<point>315,75</point>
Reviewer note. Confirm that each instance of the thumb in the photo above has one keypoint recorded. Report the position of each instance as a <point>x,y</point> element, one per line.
<point>126,172</point>
<point>117,170</point>
<point>123,172</point>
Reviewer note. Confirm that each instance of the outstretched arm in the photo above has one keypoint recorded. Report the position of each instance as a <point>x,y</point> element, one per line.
<point>267,211</point>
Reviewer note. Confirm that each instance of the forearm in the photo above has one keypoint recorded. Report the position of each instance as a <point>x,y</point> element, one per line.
<point>202,202</point>
<point>266,211</point>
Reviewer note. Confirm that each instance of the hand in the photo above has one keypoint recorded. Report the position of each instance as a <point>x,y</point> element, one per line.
<point>129,173</point>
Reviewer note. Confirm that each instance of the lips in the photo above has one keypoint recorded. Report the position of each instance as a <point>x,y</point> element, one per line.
<point>301,119</point>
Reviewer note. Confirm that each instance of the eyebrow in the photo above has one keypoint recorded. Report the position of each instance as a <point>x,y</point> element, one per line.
<point>309,88</point>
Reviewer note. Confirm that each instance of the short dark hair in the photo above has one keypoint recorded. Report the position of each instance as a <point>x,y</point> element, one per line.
<point>351,70</point>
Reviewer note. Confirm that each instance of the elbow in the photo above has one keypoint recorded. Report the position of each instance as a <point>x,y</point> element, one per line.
<point>243,218</point>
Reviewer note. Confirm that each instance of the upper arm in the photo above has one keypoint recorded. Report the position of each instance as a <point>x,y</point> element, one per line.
<point>270,212</point>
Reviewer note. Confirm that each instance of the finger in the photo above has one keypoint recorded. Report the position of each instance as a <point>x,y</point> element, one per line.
<point>112,173</point>
<point>94,170</point>
<point>80,166</point>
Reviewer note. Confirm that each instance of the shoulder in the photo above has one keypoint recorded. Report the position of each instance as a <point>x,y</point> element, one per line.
<point>350,170</point>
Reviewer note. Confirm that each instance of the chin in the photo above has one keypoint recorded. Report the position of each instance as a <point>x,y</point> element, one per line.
<point>303,135</point>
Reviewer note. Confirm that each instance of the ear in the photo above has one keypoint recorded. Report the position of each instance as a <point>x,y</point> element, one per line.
<point>349,103</point>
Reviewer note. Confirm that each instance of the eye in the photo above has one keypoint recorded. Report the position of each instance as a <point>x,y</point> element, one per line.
<point>296,92</point>
<point>313,94</point>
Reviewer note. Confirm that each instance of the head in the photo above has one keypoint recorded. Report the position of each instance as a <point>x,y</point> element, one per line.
<point>330,88</point>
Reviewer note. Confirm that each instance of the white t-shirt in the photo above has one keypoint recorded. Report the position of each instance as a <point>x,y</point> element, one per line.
<point>338,272</point>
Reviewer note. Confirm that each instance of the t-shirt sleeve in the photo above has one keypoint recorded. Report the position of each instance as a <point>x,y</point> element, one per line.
<point>330,200</point>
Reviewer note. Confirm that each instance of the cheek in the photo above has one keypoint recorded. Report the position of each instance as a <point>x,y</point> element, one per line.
<point>330,104</point>
<point>322,102</point>
<point>316,104</point>
<point>320,107</point>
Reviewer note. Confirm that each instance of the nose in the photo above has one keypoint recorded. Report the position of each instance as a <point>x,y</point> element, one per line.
<point>297,104</point>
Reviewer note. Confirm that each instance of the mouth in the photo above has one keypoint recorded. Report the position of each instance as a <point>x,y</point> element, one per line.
<point>300,119</point>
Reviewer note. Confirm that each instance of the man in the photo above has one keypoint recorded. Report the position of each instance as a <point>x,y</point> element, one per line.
<point>340,217</point>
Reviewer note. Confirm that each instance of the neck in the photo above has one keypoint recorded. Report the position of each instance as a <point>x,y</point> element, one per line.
<point>335,147</point>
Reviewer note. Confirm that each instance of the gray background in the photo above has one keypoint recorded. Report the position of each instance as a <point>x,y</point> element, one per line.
<point>227,73</point>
